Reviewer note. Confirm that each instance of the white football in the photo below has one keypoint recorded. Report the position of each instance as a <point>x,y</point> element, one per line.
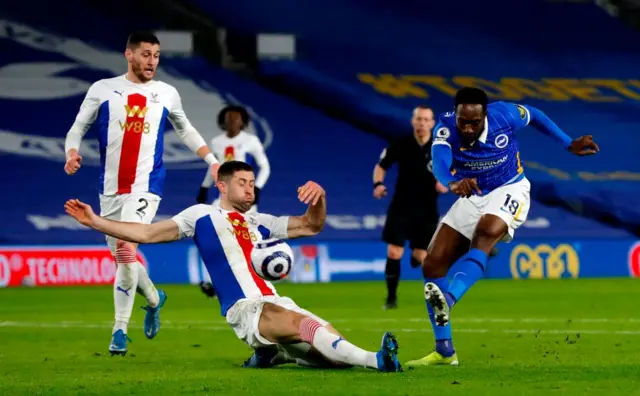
<point>272,260</point>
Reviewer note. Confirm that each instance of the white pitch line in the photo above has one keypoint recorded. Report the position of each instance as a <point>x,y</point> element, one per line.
<point>494,320</point>
<point>454,320</point>
<point>171,326</point>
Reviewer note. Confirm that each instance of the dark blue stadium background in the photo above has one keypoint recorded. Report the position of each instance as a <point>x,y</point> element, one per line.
<point>325,118</point>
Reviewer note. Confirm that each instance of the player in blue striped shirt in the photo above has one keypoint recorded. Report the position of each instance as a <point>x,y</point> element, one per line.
<point>475,154</point>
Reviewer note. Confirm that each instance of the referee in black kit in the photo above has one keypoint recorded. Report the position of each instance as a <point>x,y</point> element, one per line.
<point>413,212</point>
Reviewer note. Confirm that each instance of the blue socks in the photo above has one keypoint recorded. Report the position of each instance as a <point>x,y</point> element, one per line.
<point>469,269</point>
<point>444,345</point>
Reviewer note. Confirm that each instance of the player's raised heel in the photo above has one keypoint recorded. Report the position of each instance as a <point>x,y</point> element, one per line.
<point>388,354</point>
<point>152,317</point>
<point>118,344</point>
<point>438,302</point>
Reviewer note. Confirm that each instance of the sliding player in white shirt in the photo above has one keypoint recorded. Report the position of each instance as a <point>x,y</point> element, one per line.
<point>132,112</point>
<point>275,327</point>
<point>236,145</point>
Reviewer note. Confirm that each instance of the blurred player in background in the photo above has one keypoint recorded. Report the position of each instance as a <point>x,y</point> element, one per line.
<point>236,145</point>
<point>478,141</point>
<point>275,327</point>
<point>413,213</point>
<point>132,110</point>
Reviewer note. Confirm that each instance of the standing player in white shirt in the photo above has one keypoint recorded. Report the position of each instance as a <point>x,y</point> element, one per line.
<point>235,145</point>
<point>275,327</point>
<point>132,112</point>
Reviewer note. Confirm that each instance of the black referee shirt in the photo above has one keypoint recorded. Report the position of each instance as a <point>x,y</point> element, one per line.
<point>415,185</point>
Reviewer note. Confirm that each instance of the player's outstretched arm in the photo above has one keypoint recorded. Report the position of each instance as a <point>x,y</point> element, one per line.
<point>312,221</point>
<point>163,231</point>
<point>583,145</point>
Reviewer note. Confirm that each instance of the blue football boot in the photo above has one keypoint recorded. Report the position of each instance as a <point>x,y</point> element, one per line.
<point>118,344</point>
<point>388,354</point>
<point>152,317</point>
<point>261,358</point>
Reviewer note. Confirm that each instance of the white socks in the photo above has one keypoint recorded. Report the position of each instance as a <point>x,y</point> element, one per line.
<point>124,286</point>
<point>124,294</point>
<point>335,348</point>
<point>131,277</point>
<point>146,287</point>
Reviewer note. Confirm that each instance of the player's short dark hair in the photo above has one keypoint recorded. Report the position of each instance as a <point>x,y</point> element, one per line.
<point>141,36</point>
<point>229,168</point>
<point>244,114</point>
<point>469,95</point>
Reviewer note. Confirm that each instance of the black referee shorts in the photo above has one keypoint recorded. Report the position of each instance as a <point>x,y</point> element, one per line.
<point>402,226</point>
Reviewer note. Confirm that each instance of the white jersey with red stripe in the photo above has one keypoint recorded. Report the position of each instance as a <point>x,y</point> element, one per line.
<point>225,240</point>
<point>239,148</point>
<point>236,148</point>
<point>132,118</point>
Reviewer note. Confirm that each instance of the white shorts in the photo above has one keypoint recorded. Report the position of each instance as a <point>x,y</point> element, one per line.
<point>132,208</point>
<point>244,317</point>
<point>510,202</point>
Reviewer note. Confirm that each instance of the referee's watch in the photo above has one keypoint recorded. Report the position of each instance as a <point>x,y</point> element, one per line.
<point>376,184</point>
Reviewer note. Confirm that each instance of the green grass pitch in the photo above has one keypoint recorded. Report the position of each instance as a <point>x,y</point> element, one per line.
<point>560,337</point>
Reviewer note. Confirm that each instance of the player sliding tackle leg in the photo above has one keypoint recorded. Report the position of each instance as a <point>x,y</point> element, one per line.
<point>225,237</point>
<point>305,339</point>
<point>478,140</point>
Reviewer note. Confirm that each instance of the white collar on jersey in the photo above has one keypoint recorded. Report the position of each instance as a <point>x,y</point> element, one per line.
<point>242,132</point>
<point>124,77</point>
<point>483,136</point>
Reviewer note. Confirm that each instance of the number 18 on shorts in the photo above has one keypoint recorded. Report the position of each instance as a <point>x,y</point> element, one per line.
<point>510,202</point>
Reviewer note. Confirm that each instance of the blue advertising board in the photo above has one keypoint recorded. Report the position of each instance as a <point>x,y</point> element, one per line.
<point>180,263</point>
<point>521,259</point>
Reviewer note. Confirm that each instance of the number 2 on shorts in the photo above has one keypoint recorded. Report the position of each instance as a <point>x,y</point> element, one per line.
<point>511,205</point>
<point>141,209</point>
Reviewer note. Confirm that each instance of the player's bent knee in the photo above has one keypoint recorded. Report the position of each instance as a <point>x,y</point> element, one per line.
<point>280,325</point>
<point>394,252</point>
<point>125,254</point>
<point>122,244</point>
